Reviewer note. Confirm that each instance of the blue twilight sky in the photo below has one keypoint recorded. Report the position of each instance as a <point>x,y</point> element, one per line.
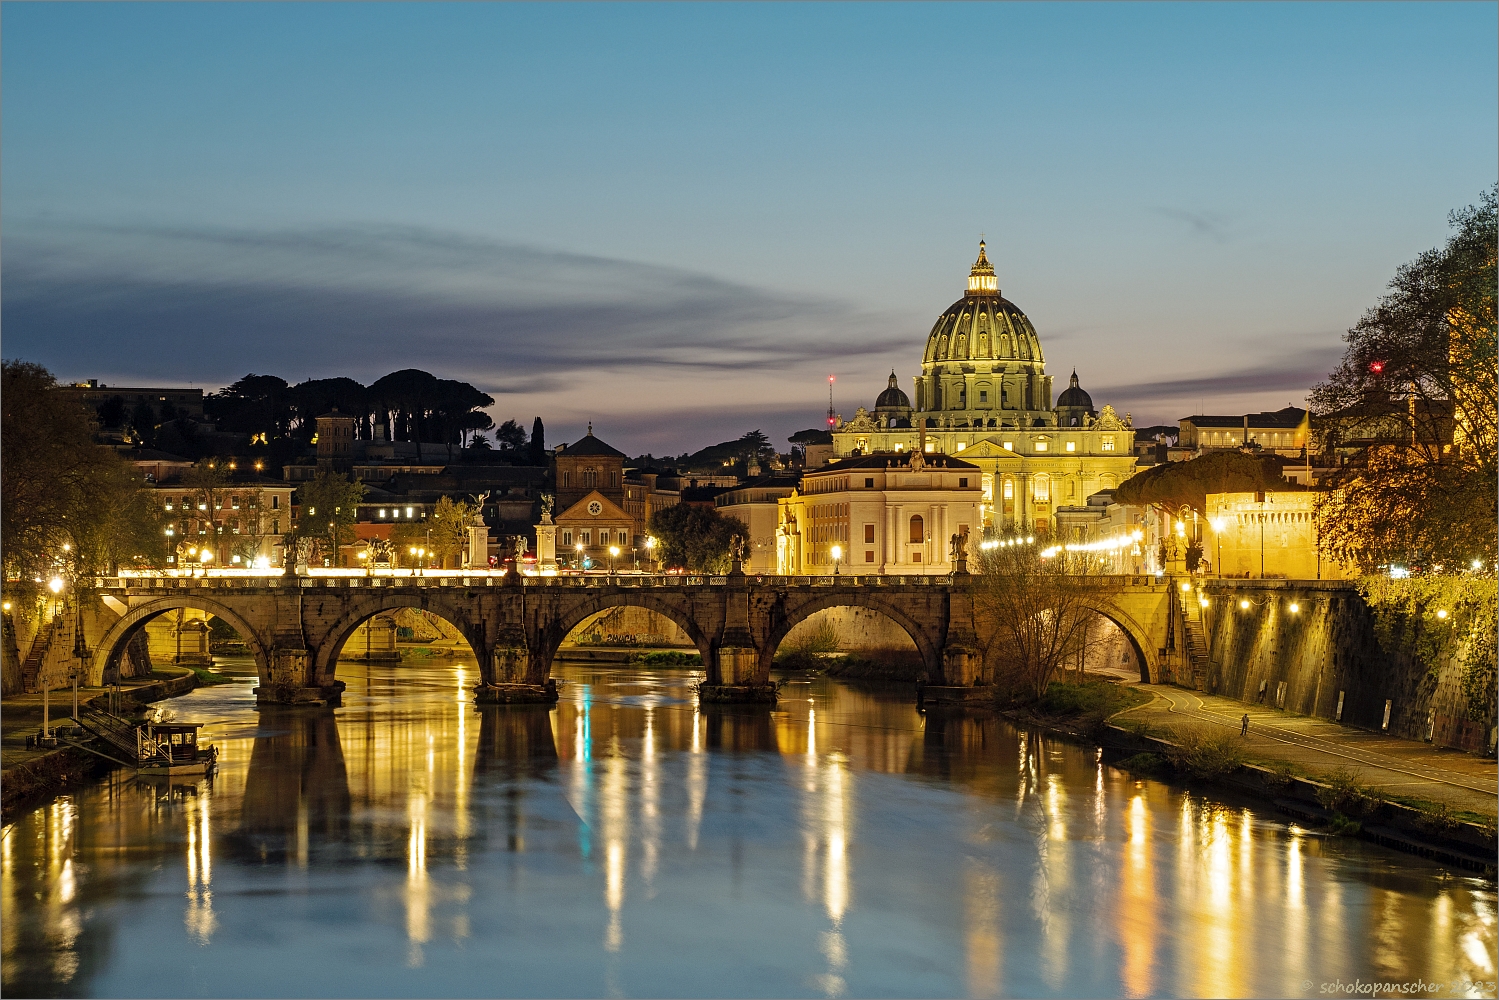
<point>677,220</point>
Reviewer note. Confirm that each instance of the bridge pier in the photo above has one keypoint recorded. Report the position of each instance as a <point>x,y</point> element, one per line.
<point>510,673</point>
<point>736,674</point>
<point>292,680</point>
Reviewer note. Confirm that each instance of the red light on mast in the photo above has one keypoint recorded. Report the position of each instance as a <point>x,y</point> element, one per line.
<point>832,417</point>
<point>1376,367</point>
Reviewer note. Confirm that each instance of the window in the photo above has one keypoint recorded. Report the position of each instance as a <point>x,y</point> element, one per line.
<point>234,502</point>
<point>1009,490</point>
<point>916,557</point>
<point>1108,442</point>
<point>869,534</point>
<point>869,555</point>
<point>1042,489</point>
<point>275,501</point>
<point>1072,446</point>
<point>586,536</point>
<point>567,479</point>
<point>983,395</point>
<point>869,482</point>
<point>620,537</point>
<point>962,482</point>
<point>930,446</point>
<point>567,538</point>
<point>918,529</point>
<point>276,526</point>
<point>1040,445</point>
<point>1009,446</point>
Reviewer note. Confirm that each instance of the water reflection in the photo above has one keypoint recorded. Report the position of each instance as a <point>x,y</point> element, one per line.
<point>630,840</point>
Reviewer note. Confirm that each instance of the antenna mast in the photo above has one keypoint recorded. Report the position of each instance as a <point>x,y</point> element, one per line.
<point>832,417</point>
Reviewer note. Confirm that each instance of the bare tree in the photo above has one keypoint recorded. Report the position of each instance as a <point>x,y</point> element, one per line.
<point>1041,608</point>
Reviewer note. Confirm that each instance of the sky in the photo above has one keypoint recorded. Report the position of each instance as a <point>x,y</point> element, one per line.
<point>677,220</point>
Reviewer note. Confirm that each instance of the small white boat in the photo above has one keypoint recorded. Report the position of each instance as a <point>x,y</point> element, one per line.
<point>173,749</point>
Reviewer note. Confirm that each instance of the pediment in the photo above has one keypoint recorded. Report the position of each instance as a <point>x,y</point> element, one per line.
<point>582,513</point>
<point>987,448</point>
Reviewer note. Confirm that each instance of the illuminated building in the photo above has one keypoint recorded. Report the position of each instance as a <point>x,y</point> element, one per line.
<point>983,395</point>
<point>881,514</point>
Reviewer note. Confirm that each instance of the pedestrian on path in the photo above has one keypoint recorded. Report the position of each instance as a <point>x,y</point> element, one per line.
<point>1244,725</point>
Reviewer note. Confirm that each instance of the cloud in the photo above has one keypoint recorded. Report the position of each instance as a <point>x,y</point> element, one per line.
<point>1209,225</point>
<point>1270,386</point>
<point>208,305</point>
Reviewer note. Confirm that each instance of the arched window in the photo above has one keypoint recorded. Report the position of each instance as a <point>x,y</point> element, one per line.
<point>1004,347</point>
<point>918,529</point>
<point>962,345</point>
<point>1042,489</point>
<point>942,347</point>
<point>983,345</point>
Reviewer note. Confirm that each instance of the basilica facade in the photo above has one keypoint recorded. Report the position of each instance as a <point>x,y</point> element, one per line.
<point>983,395</point>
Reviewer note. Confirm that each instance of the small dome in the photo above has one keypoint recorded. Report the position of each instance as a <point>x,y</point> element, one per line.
<point>1074,397</point>
<point>892,398</point>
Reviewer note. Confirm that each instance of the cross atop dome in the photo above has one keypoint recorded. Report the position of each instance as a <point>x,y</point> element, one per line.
<point>981,279</point>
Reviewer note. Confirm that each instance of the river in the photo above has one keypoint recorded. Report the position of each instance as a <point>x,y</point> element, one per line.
<point>627,842</point>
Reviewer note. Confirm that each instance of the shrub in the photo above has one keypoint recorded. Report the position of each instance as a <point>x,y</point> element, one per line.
<point>1205,754</point>
<point>1342,826</point>
<point>1143,763</point>
<point>1343,793</point>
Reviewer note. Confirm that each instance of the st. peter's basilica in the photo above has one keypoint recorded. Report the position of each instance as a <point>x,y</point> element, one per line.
<point>983,395</point>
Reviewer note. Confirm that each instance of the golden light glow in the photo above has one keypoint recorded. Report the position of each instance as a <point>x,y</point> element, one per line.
<point>1244,605</point>
<point>1295,607</point>
<point>56,585</point>
<point>1441,612</point>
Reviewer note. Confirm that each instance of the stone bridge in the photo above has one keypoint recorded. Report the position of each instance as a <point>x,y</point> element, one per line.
<point>296,626</point>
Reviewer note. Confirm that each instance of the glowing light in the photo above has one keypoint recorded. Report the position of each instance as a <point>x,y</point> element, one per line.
<point>1441,612</point>
<point>205,556</point>
<point>1295,608</point>
<point>837,551</point>
<point>1244,605</point>
<point>5,606</point>
<point>1478,564</point>
<point>614,550</point>
<point>66,547</point>
<point>1376,367</point>
<point>56,585</point>
<point>1186,587</point>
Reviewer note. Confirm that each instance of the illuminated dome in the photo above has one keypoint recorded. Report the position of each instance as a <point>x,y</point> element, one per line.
<point>1075,396</point>
<point>983,325</point>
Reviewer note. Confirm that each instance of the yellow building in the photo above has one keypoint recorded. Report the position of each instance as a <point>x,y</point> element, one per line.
<point>881,514</point>
<point>1266,536</point>
<point>984,395</point>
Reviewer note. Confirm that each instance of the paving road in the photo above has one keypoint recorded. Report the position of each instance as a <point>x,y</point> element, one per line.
<point>1393,766</point>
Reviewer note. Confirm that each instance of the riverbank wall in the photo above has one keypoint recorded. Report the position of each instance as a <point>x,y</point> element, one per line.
<point>36,777</point>
<point>1311,647</point>
<point>1391,824</point>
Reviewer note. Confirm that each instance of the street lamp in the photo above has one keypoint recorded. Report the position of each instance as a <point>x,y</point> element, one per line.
<point>419,554</point>
<point>650,548</point>
<point>579,549</point>
<point>613,554</point>
<point>837,553</point>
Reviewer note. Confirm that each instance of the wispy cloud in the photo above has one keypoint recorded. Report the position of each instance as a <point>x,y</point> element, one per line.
<point>361,301</point>
<point>1208,225</point>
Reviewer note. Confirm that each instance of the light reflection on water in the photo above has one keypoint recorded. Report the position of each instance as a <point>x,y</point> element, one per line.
<point>631,842</point>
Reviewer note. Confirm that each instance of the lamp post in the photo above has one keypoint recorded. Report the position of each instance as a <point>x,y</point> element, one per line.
<point>579,549</point>
<point>1218,523</point>
<point>613,554</point>
<point>837,554</point>
<point>650,548</point>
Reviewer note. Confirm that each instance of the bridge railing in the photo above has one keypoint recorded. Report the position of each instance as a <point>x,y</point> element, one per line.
<point>459,579</point>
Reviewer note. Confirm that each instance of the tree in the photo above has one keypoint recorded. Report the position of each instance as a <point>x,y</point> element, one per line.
<point>694,538</point>
<point>1041,607</point>
<point>538,445</point>
<point>1421,366</point>
<point>329,508</point>
<point>1177,484</point>
<point>449,528</point>
<point>143,424</point>
<point>511,437</point>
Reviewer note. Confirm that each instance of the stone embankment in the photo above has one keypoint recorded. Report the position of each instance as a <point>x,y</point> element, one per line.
<point>1400,793</point>
<point>30,776</point>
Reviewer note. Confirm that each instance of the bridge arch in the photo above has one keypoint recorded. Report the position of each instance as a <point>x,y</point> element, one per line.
<point>552,632</point>
<point>1137,635</point>
<point>112,644</point>
<point>928,645</point>
<point>336,635</point>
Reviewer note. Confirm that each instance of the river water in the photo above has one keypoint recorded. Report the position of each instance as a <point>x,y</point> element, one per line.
<point>627,842</point>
